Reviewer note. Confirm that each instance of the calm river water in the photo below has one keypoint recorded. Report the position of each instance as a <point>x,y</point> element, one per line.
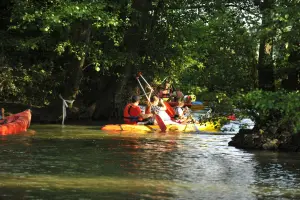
<point>81,162</point>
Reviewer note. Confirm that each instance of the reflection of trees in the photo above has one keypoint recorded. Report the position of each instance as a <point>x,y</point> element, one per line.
<point>215,170</point>
<point>15,151</point>
<point>22,138</point>
<point>277,174</point>
<point>150,157</point>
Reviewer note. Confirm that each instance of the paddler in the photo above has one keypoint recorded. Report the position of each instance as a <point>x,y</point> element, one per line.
<point>133,114</point>
<point>158,107</point>
<point>166,91</point>
<point>181,113</point>
<point>177,95</point>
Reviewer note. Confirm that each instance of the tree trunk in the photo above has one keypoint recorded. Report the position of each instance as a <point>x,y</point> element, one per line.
<point>132,46</point>
<point>105,88</point>
<point>82,34</point>
<point>265,62</point>
<point>292,82</point>
<point>119,92</point>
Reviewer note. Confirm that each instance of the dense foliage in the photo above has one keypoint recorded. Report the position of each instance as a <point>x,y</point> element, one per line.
<point>279,110</point>
<point>91,50</point>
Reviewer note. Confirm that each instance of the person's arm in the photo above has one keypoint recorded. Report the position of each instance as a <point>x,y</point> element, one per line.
<point>145,116</point>
<point>148,109</point>
<point>164,107</point>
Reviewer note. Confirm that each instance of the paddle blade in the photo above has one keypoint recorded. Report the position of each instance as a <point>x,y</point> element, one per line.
<point>170,111</point>
<point>160,123</point>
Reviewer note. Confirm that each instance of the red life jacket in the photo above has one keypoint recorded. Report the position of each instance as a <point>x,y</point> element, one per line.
<point>131,114</point>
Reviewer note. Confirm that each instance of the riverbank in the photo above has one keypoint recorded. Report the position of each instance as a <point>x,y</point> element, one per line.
<point>256,139</point>
<point>53,114</point>
<point>245,139</point>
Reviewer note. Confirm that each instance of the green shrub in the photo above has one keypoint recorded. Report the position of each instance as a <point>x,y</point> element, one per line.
<point>280,109</point>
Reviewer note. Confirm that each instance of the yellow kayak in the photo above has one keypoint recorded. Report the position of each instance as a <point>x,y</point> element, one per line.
<point>184,128</point>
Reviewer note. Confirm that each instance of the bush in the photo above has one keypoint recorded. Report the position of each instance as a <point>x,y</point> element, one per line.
<point>280,109</point>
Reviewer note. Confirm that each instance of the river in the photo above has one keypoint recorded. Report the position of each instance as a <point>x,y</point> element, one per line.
<point>82,162</point>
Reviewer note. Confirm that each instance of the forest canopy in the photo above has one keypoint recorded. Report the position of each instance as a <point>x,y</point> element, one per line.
<point>90,51</point>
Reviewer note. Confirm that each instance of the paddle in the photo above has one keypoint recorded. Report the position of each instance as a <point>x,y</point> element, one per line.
<point>159,120</point>
<point>170,110</point>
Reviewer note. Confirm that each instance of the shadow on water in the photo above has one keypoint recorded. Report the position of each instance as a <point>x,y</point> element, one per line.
<point>74,162</point>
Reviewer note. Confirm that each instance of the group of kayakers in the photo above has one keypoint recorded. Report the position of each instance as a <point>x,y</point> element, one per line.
<point>133,114</point>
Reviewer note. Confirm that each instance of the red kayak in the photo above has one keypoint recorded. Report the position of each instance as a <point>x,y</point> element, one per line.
<point>15,123</point>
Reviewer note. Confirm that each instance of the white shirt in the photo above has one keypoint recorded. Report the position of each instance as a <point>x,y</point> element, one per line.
<point>178,111</point>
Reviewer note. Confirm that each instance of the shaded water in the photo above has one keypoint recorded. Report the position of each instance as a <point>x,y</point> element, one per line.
<point>80,162</point>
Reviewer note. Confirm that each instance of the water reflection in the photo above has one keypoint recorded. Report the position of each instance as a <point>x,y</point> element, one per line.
<point>82,162</point>
<point>277,175</point>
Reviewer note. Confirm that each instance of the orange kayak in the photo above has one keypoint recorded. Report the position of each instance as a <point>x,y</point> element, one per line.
<point>16,123</point>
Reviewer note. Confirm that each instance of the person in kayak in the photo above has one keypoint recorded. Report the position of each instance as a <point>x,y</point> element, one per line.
<point>187,99</point>
<point>166,91</point>
<point>160,110</point>
<point>132,113</point>
<point>177,95</point>
<point>181,113</point>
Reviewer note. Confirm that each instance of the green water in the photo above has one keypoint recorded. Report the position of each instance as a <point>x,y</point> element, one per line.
<point>81,162</point>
